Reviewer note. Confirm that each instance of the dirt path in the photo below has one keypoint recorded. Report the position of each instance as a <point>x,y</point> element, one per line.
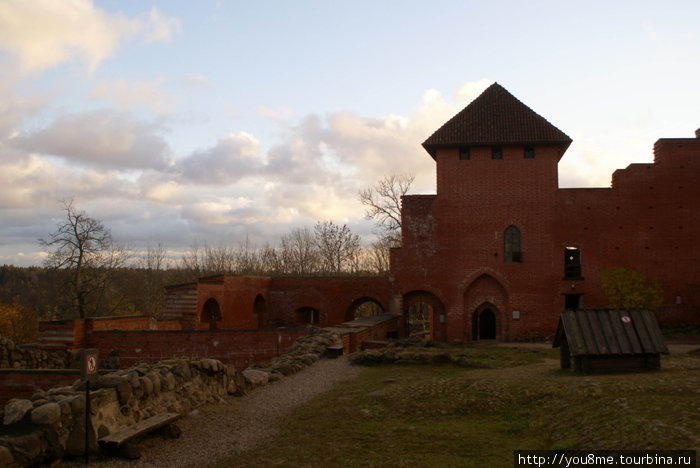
<point>215,431</point>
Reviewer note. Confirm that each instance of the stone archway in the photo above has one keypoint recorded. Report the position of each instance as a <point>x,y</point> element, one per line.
<point>424,309</point>
<point>485,303</point>
<point>484,323</point>
<point>260,309</point>
<point>363,307</point>
<point>211,313</point>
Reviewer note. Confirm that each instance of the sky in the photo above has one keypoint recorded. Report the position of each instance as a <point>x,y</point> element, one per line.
<point>187,123</point>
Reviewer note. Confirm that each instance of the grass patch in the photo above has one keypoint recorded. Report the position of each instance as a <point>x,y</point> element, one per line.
<point>449,416</point>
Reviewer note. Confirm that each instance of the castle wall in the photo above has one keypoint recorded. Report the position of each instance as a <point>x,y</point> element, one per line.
<point>453,242</point>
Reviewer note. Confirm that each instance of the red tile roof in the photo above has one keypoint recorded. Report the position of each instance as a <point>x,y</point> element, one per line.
<point>496,117</point>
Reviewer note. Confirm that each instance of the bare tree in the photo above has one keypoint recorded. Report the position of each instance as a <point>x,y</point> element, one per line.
<point>299,252</point>
<point>338,247</point>
<point>152,262</point>
<point>383,202</point>
<point>82,244</point>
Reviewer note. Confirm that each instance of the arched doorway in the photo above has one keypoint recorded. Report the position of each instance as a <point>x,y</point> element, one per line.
<point>260,309</point>
<point>485,300</point>
<point>211,313</point>
<point>363,307</point>
<point>307,316</point>
<point>424,314</point>
<point>484,324</point>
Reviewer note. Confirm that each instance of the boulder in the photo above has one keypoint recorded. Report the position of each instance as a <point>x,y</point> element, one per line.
<point>47,414</point>
<point>256,378</point>
<point>15,410</point>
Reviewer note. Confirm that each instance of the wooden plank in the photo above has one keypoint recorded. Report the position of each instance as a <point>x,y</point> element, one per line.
<point>586,330</point>
<point>577,344</point>
<point>630,333</point>
<point>595,318</point>
<point>642,333</point>
<point>623,339</point>
<point>654,332</point>
<point>140,428</point>
<point>607,330</point>
<point>571,332</point>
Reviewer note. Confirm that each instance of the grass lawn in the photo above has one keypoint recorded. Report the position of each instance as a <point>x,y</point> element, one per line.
<point>514,398</point>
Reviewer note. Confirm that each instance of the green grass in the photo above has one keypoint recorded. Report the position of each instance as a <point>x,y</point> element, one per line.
<point>449,416</point>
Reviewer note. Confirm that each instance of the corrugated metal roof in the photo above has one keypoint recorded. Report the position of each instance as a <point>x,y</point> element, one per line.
<point>601,332</point>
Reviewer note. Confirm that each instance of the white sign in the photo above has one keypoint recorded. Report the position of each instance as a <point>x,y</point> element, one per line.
<point>91,364</point>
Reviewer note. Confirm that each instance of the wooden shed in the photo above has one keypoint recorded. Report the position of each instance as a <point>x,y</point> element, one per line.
<point>605,339</point>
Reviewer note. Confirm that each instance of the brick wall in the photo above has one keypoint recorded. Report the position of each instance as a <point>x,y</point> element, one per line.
<point>453,246</point>
<point>238,347</point>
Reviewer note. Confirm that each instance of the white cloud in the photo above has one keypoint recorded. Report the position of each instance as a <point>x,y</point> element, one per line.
<point>233,158</point>
<point>43,34</point>
<point>103,138</point>
<point>161,28</point>
<point>470,91</point>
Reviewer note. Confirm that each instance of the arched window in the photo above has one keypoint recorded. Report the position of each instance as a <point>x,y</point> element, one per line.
<point>511,245</point>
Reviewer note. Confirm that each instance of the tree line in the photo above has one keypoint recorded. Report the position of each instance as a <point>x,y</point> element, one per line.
<point>88,274</point>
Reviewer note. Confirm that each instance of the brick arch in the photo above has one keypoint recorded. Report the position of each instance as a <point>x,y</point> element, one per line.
<point>350,314</point>
<point>485,292</point>
<point>211,313</point>
<point>260,310</point>
<point>438,319</point>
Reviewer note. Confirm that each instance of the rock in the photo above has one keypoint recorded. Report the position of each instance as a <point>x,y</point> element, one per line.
<point>146,385</point>
<point>443,358</point>
<point>47,414</point>
<point>15,410</point>
<point>155,380</point>
<point>256,378</point>
<point>6,458</point>
<point>28,448</point>
<point>168,382</point>
<point>182,369</point>
<point>119,383</point>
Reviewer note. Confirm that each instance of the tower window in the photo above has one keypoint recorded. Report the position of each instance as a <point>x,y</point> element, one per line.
<point>529,152</point>
<point>464,153</point>
<point>511,245</point>
<point>496,152</point>
<point>572,263</point>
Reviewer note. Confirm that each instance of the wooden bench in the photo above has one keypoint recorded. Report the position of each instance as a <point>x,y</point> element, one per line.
<point>120,443</point>
<point>334,352</point>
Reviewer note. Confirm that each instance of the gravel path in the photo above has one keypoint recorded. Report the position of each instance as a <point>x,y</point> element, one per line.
<point>215,431</point>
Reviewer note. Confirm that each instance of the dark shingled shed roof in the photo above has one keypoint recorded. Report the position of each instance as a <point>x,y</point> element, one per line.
<point>496,117</point>
<point>601,332</point>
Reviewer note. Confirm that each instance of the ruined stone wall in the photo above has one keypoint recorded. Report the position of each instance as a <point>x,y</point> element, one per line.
<point>50,424</point>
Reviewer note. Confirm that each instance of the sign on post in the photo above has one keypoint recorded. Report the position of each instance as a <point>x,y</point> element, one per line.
<point>88,364</point>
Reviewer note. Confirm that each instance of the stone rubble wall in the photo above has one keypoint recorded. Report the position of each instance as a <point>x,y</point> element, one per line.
<point>13,356</point>
<point>51,425</point>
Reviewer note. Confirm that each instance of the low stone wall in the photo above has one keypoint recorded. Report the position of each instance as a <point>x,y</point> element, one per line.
<point>51,425</point>
<point>13,356</point>
<point>305,351</point>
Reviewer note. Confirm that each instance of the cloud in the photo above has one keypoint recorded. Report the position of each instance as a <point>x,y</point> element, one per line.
<point>161,28</point>
<point>102,138</point>
<point>126,96</point>
<point>470,91</point>
<point>233,158</point>
<point>43,34</point>
<point>122,171</point>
